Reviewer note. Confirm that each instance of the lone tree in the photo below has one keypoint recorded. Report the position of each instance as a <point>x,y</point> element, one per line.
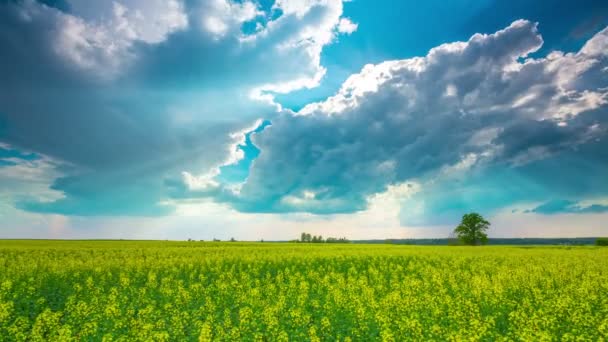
<point>471,231</point>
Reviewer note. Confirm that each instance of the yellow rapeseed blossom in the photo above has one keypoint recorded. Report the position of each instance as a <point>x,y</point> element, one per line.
<point>197,291</point>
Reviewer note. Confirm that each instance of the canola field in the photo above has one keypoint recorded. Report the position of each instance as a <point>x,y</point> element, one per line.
<point>208,291</point>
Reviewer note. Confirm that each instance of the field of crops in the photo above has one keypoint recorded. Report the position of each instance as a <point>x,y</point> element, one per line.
<point>164,291</point>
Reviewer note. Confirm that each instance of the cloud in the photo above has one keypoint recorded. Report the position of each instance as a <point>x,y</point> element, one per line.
<point>27,176</point>
<point>480,105</point>
<point>576,174</point>
<point>347,26</point>
<point>221,16</point>
<point>567,206</point>
<point>147,101</point>
<point>11,157</point>
<point>133,93</point>
<point>101,38</point>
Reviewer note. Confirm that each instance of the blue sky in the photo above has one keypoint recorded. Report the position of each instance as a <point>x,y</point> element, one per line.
<point>261,119</point>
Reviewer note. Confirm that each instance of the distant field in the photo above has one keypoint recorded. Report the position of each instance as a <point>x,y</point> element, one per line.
<point>157,291</point>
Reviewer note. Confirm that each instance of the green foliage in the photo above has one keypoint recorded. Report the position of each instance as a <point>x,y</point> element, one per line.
<point>305,237</point>
<point>471,231</point>
<point>601,242</point>
<point>227,291</point>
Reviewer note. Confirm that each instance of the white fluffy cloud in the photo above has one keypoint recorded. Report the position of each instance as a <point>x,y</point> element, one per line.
<point>106,38</point>
<point>222,16</point>
<point>313,24</point>
<point>29,178</point>
<point>99,37</point>
<point>347,26</point>
<point>458,69</point>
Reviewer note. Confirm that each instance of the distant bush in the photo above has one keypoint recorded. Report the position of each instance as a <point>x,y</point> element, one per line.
<point>601,242</point>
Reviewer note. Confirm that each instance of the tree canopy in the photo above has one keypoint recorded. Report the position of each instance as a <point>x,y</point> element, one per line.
<point>472,228</point>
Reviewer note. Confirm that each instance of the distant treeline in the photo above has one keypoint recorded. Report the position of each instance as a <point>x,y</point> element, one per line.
<point>492,241</point>
<point>307,238</point>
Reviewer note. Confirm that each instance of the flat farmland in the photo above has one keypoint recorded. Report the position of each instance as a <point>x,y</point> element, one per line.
<point>207,291</point>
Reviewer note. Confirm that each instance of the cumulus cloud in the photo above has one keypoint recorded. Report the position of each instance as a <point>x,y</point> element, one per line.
<point>464,106</point>
<point>133,93</point>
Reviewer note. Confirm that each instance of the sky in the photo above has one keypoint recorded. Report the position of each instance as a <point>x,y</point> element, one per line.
<point>262,119</point>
